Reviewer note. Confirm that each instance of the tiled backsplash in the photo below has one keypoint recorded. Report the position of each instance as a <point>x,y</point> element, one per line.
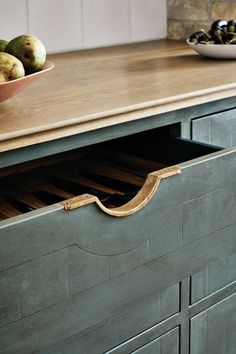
<point>188,16</point>
<point>65,25</point>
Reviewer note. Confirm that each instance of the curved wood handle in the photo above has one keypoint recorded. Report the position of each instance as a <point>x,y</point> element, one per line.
<point>138,202</point>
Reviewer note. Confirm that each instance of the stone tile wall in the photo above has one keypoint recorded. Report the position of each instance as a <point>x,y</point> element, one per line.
<point>188,16</point>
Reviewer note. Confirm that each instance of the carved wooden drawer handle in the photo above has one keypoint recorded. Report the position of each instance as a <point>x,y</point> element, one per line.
<point>138,202</point>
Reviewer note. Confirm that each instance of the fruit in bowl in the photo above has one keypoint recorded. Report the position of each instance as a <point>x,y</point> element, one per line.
<point>11,67</point>
<point>3,44</point>
<point>29,50</point>
<point>220,32</point>
<point>218,42</point>
<point>22,61</point>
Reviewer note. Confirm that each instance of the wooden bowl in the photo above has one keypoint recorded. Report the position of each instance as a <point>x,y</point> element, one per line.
<point>11,88</point>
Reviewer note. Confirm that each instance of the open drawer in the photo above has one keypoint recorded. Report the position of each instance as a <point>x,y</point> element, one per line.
<point>72,223</point>
<point>120,175</point>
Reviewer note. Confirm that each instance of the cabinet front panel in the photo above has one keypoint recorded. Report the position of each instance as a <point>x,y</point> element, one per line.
<point>72,270</point>
<point>125,324</point>
<point>213,279</point>
<point>166,344</point>
<point>213,331</point>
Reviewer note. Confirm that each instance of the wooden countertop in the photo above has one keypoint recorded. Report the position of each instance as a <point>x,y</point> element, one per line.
<point>96,88</point>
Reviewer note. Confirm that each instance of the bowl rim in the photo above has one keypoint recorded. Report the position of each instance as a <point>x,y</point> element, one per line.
<point>210,44</point>
<point>48,65</point>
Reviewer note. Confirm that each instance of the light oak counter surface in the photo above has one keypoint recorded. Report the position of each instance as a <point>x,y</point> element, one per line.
<point>102,87</point>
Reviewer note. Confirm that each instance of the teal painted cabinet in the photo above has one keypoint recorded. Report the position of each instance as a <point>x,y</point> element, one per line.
<point>217,129</point>
<point>166,344</point>
<point>161,280</point>
<point>212,331</point>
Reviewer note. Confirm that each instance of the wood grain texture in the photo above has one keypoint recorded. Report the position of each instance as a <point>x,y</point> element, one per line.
<point>102,87</point>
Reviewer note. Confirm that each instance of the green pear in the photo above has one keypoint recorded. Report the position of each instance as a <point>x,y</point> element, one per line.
<point>3,44</point>
<point>29,50</point>
<point>11,68</point>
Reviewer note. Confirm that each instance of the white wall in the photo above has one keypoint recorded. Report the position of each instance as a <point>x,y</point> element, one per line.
<point>65,25</point>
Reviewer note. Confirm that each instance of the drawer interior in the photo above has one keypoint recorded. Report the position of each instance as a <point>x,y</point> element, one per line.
<point>114,171</point>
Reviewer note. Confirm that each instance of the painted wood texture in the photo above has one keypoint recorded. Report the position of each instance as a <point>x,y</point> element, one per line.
<point>217,129</point>
<point>60,265</point>
<point>213,331</point>
<point>213,279</point>
<point>166,344</point>
<point>102,87</point>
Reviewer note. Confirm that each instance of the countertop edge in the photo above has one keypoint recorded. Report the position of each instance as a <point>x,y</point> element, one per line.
<point>75,126</point>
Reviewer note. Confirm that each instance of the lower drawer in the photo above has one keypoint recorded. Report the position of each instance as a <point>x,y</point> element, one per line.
<point>212,331</point>
<point>82,234</point>
<point>168,343</point>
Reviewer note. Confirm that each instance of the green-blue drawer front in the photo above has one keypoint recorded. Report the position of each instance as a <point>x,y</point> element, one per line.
<point>65,272</point>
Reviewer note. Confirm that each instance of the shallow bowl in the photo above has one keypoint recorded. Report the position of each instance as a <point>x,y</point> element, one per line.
<point>11,88</point>
<point>218,51</point>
